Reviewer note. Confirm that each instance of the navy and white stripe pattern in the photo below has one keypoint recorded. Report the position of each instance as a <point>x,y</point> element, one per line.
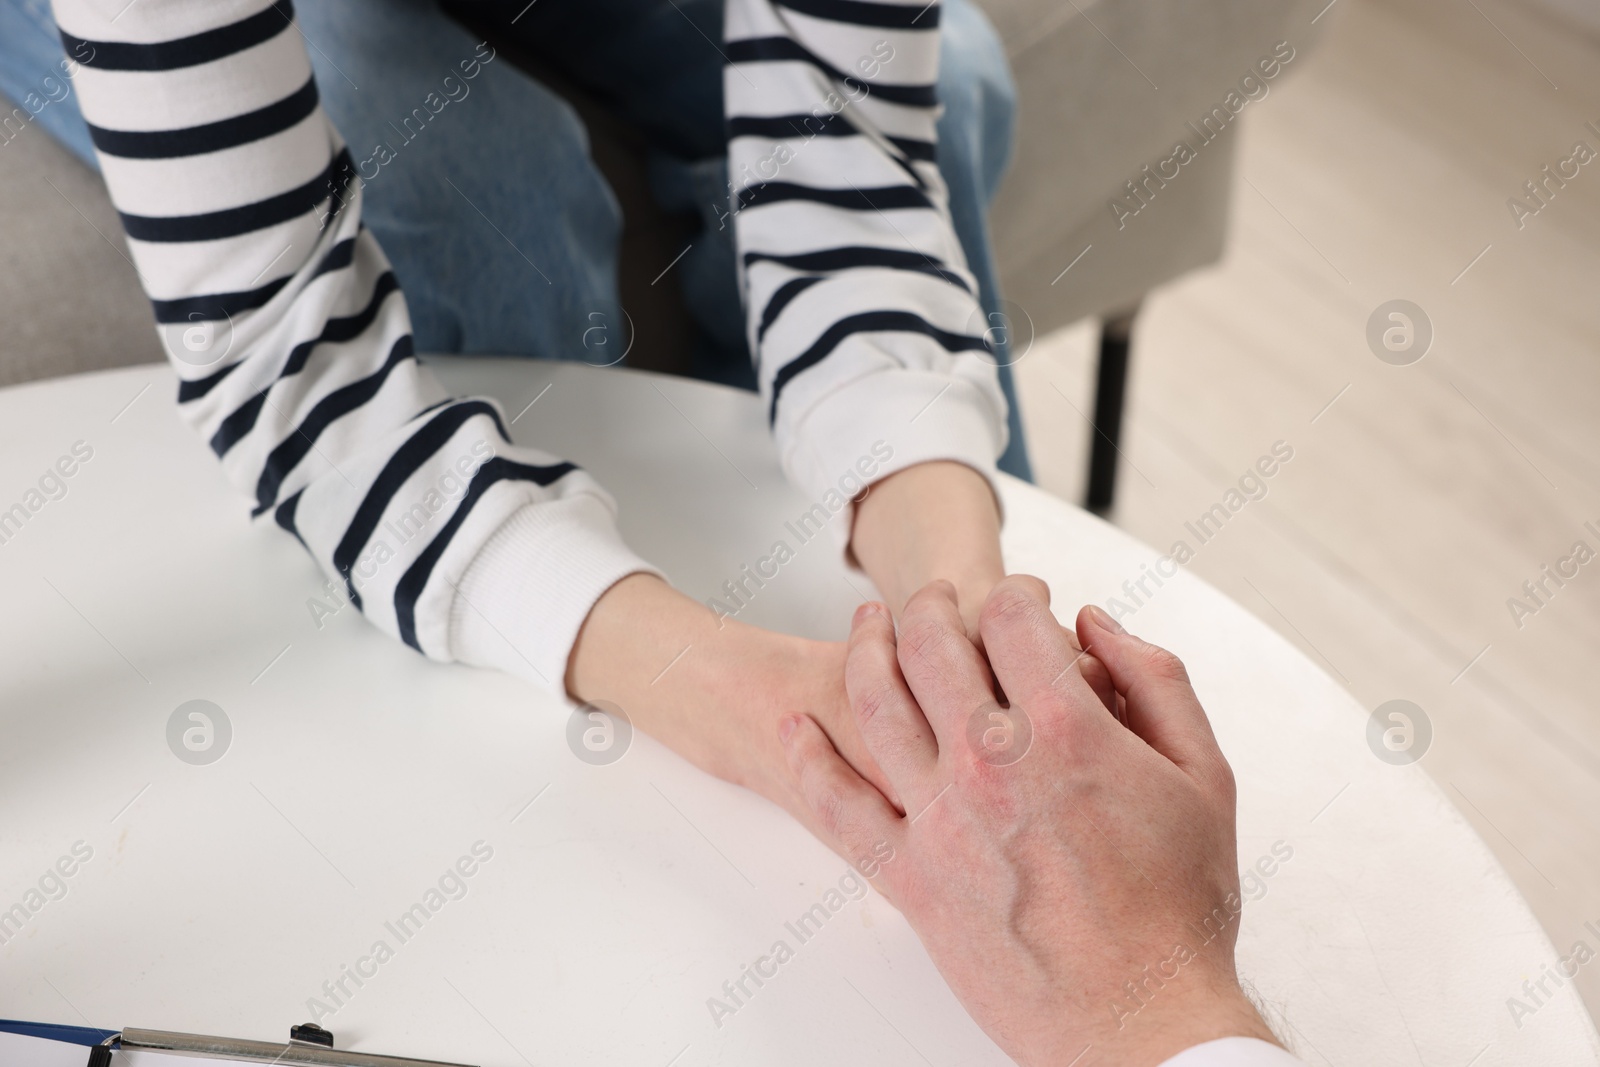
<point>242,221</point>
<point>232,187</point>
<point>850,265</point>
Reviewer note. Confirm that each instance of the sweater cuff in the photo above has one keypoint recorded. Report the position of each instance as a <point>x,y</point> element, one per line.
<point>1234,1052</point>
<point>883,423</point>
<point>525,596</point>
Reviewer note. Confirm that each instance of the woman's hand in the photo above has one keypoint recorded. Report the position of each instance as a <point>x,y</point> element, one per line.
<point>714,692</point>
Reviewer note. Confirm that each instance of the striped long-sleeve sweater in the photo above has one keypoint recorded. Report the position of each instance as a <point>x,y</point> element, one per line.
<point>292,344</point>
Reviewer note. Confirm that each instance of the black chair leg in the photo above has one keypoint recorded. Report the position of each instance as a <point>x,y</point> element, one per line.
<point>1110,391</point>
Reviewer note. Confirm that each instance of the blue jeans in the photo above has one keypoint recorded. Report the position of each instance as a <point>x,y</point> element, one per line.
<point>503,233</point>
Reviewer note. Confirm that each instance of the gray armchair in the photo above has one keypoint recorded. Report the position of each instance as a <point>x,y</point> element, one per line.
<point>1107,88</point>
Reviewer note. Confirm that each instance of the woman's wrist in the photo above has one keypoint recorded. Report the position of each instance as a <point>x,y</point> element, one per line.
<point>933,520</point>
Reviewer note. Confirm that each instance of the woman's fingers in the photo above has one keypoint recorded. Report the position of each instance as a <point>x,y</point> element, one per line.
<point>845,805</point>
<point>893,727</point>
<point>1160,704</point>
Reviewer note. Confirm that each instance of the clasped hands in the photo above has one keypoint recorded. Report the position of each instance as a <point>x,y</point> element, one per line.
<point>1080,896</point>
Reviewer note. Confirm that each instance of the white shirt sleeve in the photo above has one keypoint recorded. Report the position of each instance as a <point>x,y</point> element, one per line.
<point>1234,1052</point>
<point>870,344</point>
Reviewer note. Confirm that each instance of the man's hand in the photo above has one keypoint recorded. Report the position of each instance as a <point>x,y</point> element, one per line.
<point>1079,890</point>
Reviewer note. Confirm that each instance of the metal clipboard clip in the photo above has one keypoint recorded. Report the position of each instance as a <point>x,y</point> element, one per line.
<point>308,1045</point>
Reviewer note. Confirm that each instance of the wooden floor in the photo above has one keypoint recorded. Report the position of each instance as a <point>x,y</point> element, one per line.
<point>1420,498</point>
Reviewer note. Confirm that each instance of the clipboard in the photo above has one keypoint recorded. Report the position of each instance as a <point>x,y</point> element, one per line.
<point>309,1045</point>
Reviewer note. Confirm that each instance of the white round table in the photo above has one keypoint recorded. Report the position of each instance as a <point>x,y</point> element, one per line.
<point>220,898</point>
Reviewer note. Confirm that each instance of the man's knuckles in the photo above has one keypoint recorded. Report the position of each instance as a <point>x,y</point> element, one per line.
<point>927,642</point>
<point>1014,602</point>
<point>827,791</point>
<point>1160,664</point>
<point>830,804</point>
<point>874,697</point>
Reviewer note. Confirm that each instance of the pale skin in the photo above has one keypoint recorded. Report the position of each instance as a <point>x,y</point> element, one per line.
<point>1041,886</point>
<point>718,703</point>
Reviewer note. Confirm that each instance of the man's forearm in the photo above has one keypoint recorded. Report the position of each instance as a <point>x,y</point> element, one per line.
<point>933,520</point>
